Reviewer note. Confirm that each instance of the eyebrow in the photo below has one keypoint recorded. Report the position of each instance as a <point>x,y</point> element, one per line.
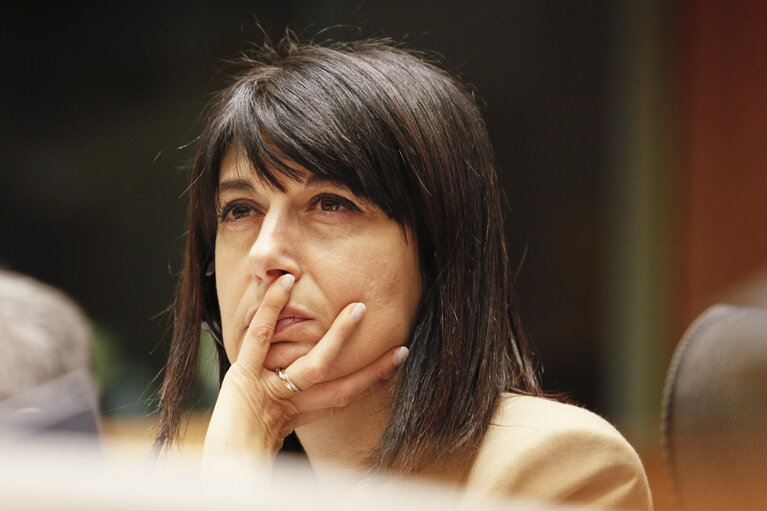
<point>240,185</point>
<point>315,180</point>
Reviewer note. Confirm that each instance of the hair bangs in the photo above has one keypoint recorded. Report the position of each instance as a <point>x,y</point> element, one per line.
<point>296,118</point>
<point>248,126</point>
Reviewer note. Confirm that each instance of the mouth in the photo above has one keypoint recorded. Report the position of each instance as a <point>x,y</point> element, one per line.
<point>289,316</point>
<point>287,322</point>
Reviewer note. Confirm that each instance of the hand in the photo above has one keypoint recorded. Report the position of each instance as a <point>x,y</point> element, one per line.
<point>255,410</point>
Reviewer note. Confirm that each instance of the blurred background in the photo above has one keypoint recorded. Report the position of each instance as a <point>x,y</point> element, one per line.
<point>630,137</point>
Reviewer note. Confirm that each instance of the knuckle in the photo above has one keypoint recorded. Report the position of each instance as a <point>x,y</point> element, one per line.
<point>287,416</point>
<point>262,332</point>
<point>291,410</point>
<point>342,398</point>
<point>274,391</point>
<point>345,327</point>
<point>315,372</point>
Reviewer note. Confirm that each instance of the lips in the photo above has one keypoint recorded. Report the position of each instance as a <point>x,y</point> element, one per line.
<point>288,317</point>
<point>287,322</point>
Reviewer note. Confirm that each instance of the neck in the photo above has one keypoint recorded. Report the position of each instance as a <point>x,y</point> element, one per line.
<point>345,440</point>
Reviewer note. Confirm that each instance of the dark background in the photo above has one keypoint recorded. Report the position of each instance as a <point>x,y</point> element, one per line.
<point>100,101</point>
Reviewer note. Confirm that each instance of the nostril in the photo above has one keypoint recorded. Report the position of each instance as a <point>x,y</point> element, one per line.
<point>275,274</point>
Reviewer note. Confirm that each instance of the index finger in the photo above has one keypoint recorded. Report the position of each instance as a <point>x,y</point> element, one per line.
<point>259,334</point>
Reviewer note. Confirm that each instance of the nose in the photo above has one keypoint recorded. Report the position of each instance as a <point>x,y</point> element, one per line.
<point>274,251</point>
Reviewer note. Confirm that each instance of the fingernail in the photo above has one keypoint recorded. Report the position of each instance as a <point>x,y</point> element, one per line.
<point>400,355</point>
<point>357,312</point>
<point>287,281</point>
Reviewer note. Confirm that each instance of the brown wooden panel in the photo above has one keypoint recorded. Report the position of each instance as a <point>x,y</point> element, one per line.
<point>723,186</point>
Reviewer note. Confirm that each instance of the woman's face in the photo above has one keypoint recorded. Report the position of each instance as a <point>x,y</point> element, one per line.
<point>339,247</point>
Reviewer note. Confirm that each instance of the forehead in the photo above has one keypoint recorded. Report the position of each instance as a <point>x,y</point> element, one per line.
<point>237,173</point>
<point>236,165</point>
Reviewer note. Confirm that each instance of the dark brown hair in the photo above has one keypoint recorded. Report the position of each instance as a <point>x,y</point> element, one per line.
<point>406,135</point>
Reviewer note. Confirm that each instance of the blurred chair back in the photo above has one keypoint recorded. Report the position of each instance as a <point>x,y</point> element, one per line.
<point>61,406</point>
<point>714,417</point>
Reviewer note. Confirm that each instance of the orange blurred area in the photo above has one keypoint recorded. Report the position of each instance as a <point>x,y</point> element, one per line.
<point>132,437</point>
<point>662,495</point>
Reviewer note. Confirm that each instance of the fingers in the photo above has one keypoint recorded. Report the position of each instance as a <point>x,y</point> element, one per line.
<point>313,367</point>
<point>259,334</point>
<point>337,394</point>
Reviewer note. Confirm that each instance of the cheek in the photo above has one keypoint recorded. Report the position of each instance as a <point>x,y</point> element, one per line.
<point>388,282</point>
<point>230,287</point>
<point>384,280</point>
<point>393,297</point>
<point>391,287</point>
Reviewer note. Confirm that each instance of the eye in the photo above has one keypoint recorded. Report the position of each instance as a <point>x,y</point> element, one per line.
<point>235,211</point>
<point>333,203</point>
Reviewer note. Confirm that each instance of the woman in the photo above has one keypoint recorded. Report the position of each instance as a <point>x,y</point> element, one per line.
<point>346,248</point>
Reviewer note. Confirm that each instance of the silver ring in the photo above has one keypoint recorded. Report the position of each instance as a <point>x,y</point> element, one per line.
<point>289,384</point>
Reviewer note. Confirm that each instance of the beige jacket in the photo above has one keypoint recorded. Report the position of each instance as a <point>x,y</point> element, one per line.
<point>545,450</point>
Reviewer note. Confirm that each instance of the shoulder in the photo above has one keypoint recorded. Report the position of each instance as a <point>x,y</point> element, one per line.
<point>547,450</point>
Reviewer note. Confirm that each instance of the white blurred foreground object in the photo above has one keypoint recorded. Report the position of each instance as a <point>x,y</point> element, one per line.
<point>65,474</point>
